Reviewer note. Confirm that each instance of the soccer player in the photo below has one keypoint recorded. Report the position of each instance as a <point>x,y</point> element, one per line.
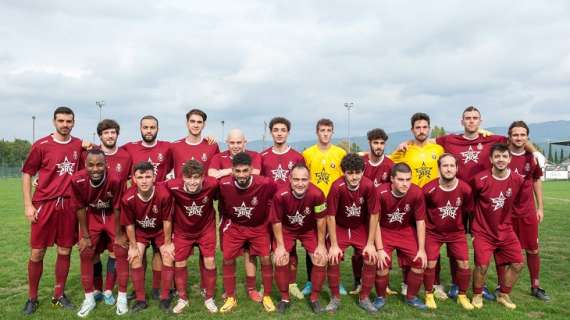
<point>145,208</point>
<point>376,165</point>
<point>402,228</point>
<point>496,191</point>
<point>352,209</point>
<point>245,200</point>
<point>96,199</point>
<point>298,212</point>
<point>276,163</point>
<point>529,214</point>
<point>194,222</point>
<point>52,220</point>
<point>448,200</point>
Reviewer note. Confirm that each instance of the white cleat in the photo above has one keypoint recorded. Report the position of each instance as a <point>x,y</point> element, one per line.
<point>180,306</point>
<point>404,290</point>
<point>210,304</point>
<point>87,306</point>
<point>122,304</point>
<point>439,292</point>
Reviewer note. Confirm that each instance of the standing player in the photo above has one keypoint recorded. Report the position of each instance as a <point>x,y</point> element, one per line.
<point>352,209</point>
<point>96,197</point>
<point>54,158</point>
<point>194,221</point>
<point>298,213</point>
<point>245,200</point>
<point>496,191</point>
<point>276,163</point>
<point>448,201</point>
<point>529,214</point>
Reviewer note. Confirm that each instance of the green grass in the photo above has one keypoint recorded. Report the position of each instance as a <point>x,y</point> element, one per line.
<point>555,275</point>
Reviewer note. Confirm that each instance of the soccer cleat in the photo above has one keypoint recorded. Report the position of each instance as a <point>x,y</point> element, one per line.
<point>210,304</point>
<point>477,301</point>
<point>430,301</point>
<point>379,303</point>
<point>391,292</point>
<point>367,305</point>
<point>464,302</point>
<point>342,289</point>
<point>453,291</point>
<point>139,306</point>
<point>333,305</point>
<point>108,298</point>
<point>62,302</point>
<point>316,306</point>
<point>30,307</point>
<point>540,294</point>
<point>268,304</point>
<point>356,290</point>
<point>282,306</point>
<point>488,295</point>
<point>307,289</point>
<point>98,295</point>
<point>255,296</point>
<point>416,303</point>
<point>132,295</point>
<point>229,305</point>
<point>164,305</point>
<point>439,292</point>
<point>86,307</point>
<point>404,290</point>
<point>505,300</point>
<point>295,292</point>
<point>180,306</point>
<point>155,294</point>
<point>122,305</point>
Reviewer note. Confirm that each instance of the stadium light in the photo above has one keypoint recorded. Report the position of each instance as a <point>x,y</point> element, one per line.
<point>348,106</point>
<point>223,123</point>
<point>100,104</point>
<point>33,129</point>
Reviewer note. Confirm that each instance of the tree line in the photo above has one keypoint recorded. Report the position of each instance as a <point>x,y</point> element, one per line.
<point>14,153</point>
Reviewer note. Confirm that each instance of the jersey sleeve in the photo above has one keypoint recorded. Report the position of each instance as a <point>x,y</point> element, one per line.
<point>256,161</point>
<point>276,210</point>
<point>216,162</point>
<point>397,156</point>
<point>441,140</point>
<point>468,202</point>
<point>127,214</point>
<point>420,207</point>
<point>320,207</point>
<point>119,187</point>
<point>372,201</point>
<point>33,162</point>
<point>168,207</point>
<point>537,170</point>
<point>332,201</point>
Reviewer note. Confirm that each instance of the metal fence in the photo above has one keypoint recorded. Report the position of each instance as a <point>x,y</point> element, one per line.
<point>10,171</point>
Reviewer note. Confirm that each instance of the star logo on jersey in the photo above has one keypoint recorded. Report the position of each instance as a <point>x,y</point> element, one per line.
<point>470,155</point>
<point>322,177</point>
<point>517,172</point>
<point>290,165</point>
<point>297,218</point>
<point>498,202</point>
<point>147,222</point>
<point>65,167</point>
<point>280,173</point>
<point>100,205</point>
<point>118,167</point>
<point>155,165</point>
<point>194,210</point>
<point>448,211</point>
<point>396,216</point>
<point>352,211</point>
<point>423,171</point>
<point>243,211</point>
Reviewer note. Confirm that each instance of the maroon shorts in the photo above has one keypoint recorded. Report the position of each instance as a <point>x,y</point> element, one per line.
<point>526,230</point>
<point>237,237</point>
<point>155,239</point>
<point>57,224</point>
<point>101,231</point>
<point>352,237</point>
<point>506,251</point>
<point>456,246</point>
<point>308,239</point>
<point>405,242</point>
<point>206,242</point>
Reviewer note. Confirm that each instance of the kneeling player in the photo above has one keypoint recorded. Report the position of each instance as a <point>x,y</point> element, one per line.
<point>298,212</point>
<point>448,201</point>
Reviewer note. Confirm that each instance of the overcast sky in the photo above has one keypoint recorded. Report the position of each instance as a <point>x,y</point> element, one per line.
<point>247,61</point>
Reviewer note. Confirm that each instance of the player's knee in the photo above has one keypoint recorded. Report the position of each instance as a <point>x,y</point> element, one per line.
<point>120,252</point>
<point>382,272</point>
<point>417,270</point>
<point>532,251</point>
<point>63,251</point>
<point>482,269</point>
<point>182,264</point>
<point>136,263</point>
<point>432,263</point>
<point>37,254</point>
<point>229,262</point>
<point>209,263</point>
<point>517,267</point>
<point>87,254</point>
<point>265,260</point>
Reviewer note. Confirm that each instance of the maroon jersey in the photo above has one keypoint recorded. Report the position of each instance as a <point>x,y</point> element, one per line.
<point>525,165</point>
<point>472,154</point>
<point>99,199</point>
<point>248,206</point>
<point>159,155</point>
<point>183,151</point>
<point>447,209</point>
<point>403,211</point>
<point>223,160</point>
<point>119,164</point>
<point>494,199</point>
<point>147,216</point>
<point>54,162</point>
<point>298,215</point>
<point>351,208</point>
<point>277,166</point>
<point>380,172</point>
<point>193,213</point>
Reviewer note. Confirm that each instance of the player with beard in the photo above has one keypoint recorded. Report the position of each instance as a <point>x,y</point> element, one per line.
<point>529,214</point>
<point>276,163</point>
<point>52,220</point>
<point>96,199</point>
<point>159,154</point>
<point>245,199</point>
<point>298,212</point>
<point>352,209</point>
<point>146,213</point>
<point>448,200</point>
<point>496,192</point>
<point>194,222</point>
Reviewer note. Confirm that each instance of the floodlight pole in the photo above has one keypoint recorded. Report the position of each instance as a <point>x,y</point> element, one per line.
<point>100,104</point>
<point>33,129</point>
<point>223,124</point>
<point>348,106</point>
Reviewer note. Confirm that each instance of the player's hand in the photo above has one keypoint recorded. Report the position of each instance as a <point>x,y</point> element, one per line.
<point>281,256</point>
<point>484,133</point>
<point>36,182</point>
<point>335,254</point>
<point>31,214</point>
<point>403,146</point>
<point>369,251</point>
<point>84,243</point>
<point>167,250</point>
<point>540,158</point>
<point>86,144</point>
<point>539,215</point>
<point>121,240</point>
<point>422,256</point>
<point>211,139</point>
<point>383,259</point>
<point>133,253</point>
<point>320,254</point>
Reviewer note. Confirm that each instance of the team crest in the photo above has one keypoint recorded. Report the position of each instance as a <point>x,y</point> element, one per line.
<point>307,211</point>
<point>118,167</point>
<point>155,209</point>
<point>109,194</point>
<point>527,167</point>
<point>458,202</point>
<point>75,155</point>
<point>205,200</point>
<point>333,165</point>
<point>407,207</point>
<point>433,156</point>
<point>479,146</point>
<point>204,157</point>
<point>290,165</point>
<point>508,193</point>
<point>254,201</point>
<point>376,183</point>
<point>160,157</point>
<point>385,176</point>
<point>361,200</point>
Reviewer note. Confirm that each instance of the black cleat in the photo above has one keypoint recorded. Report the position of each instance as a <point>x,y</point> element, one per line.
<point>173,293</point>
<point>540,294</point>
<point>132,295</point>
<point>316,306</point>
<point>30,307</point>
<point>155,293</point>
<point>164,305</point>
<point>282,306</point>
<point>62,302</point>
<point>138,306</point>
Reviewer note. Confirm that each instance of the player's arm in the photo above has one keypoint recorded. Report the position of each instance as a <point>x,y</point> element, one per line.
<point>133,250</point>
<point>383,258</point>
<point>281,255</point>
<point>84,241</point>
<point>421,233</point>
<point>168,247</point>
<point>537,188</point>
<point>29,209</point>
<point>120,236</point>
<point>335,254</point>
<point>370,250</point>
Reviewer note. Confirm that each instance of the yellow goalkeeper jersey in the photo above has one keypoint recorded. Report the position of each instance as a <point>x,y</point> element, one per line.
<point>324,166</point>
<point>422,160</point>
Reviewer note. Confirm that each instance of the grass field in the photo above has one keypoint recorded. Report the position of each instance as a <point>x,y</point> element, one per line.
<point>555,243</point>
